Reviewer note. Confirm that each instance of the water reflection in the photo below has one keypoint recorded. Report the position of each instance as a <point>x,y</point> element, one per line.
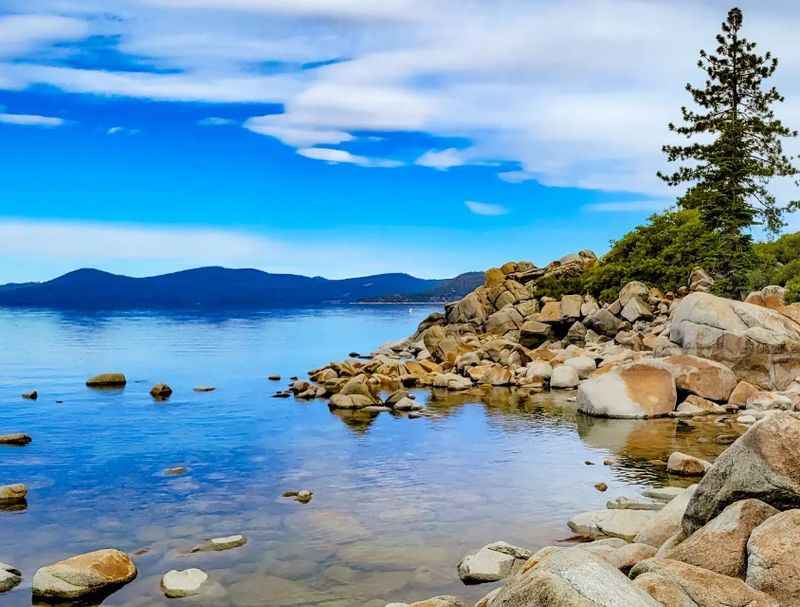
<point>397,501</point>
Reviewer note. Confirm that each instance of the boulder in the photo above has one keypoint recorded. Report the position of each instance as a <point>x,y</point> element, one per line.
<point>11,494</point>
<point>764,463</point>
<point>699,280</point>
<point>105,380</point>
<point>407,404</point>
<point>469,309</point>
<point>504,320</point>
<point>667,521</point>
<point>584,365</point>
<point>696,405</point>
<point>87,576</point>
<point>632,503</point>
<point>773,557</point>
<point>633,289</point>
<point>664,494</point>
<point>10,577</point>
<point>625,557</point>
<point>179,584</point>
<point>576,334</point>
<point>31,395</point>
<point>677,584</point>
<point>760,345</point>
<point>533,333</point>
<point>539,369</point>
<point>350,401</point>
<point>636,309</point>
<point>564,376</point>
<point>451,381</point>
<point>641,389</point>
<point>438,601</point>
<point>623,524</point>
<point>686,465</point>
<point>571,307</point>
<point>491,563</point>
<point>572,577</point>
<point>18,438</point>
<point>721,544</point>
<point>550,312</point>
<point>701,376</point>
<point>604,323</point>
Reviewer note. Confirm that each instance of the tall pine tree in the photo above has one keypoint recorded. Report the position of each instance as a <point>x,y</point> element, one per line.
<point>741,150</point>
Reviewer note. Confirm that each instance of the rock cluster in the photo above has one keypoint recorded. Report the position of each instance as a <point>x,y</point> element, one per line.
<point>646,354</point>
<point>733,539</point>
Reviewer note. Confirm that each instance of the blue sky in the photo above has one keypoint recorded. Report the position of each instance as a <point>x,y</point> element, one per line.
<point>337,137</point>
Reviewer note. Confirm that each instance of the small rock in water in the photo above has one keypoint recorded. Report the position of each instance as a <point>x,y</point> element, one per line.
<point>601,487</point>
<point>630,503</point>
<point>10,577</point>
<point>725,439</point>
<point>204,388</point>
<point>281,394</point>
<point>161,391</point>
<point>686,465</point>
<point>17,438</point>
<point>106,380</point>
<point>176,471</point>
<point>218,544</point>
<point>406,404</point>
<point>303,495</point>
<point>32,395</point>
<point>178,584</point>
<point>609,461</point>
<point>588,463</point>
<point>91,575</point>
<point>274,377</point>
<point>354,355</point>
<point>491,563</point>
<point>663,494</point>
<point>12,494</point>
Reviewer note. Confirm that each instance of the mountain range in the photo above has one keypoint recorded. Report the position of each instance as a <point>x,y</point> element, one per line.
<point>222,287</point>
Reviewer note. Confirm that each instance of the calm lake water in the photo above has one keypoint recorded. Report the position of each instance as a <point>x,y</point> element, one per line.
<point>397,502</point>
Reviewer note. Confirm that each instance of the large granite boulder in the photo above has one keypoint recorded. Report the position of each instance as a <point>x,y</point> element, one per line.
<point>641,389</point>
<point>773,557</point>
<point>667,522</point>
<point>573,577</point>
<point>701,376</point>
<point>677,584</point>
<point>760,345</point>
<point>469,309</point>
<point>763,463</point>
<point>721,544</point>
<point>87,576</point>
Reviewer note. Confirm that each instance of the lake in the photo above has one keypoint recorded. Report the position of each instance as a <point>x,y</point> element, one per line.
<point>397,501</point>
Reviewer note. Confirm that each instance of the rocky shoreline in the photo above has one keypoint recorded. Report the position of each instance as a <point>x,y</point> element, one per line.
<point>730,540</point>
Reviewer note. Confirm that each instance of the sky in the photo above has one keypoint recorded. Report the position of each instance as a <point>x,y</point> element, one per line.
<point>344,137</point>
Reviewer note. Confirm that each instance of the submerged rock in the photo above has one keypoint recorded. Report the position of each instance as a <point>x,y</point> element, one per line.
<point>107,380</point>
<point>303,495</point>
<point>204,388</point>
<point>219,544</point>
<point>623,524</point>
<point>178,584</point>
<point>32,395</point>
<point>91,575</point>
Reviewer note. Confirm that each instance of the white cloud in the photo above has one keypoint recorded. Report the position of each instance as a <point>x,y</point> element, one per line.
<point>485,208</point>
<point>275,125</point>
<point>629,206</point>
<point>31,120</point>
<point>122,130</point>
<point>333,156</point>
<point>577,93</point>
<point>23,34</point>
<point>215,121</point>
<point>441,159</point>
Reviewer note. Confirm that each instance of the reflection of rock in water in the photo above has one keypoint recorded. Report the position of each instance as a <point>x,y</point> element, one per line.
<point>356,420</point>
<point>16,506</point>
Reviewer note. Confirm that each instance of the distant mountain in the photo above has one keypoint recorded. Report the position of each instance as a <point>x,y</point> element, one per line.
<point>222,287</point>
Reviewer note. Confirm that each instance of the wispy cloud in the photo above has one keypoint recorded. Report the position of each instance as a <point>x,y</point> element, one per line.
<point>629,206</point>
<point>31,120</point>
<point>23,34</point>
<point>122,130</point>
<point>334,156</point>
<point>275,125</point>
<point>441,159</point>
<point>215,121</point>
<point>485,208</point>
<point>516,176</point>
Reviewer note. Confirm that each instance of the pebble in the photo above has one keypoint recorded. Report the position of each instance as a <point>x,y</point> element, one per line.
<point>161,391</point>
<point>601,487</point>
<point>218,544</point>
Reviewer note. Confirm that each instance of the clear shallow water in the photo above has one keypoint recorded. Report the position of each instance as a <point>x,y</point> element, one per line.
<point>397,502</point>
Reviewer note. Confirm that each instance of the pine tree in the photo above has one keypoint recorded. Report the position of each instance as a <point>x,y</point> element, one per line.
<point>741,149</point>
